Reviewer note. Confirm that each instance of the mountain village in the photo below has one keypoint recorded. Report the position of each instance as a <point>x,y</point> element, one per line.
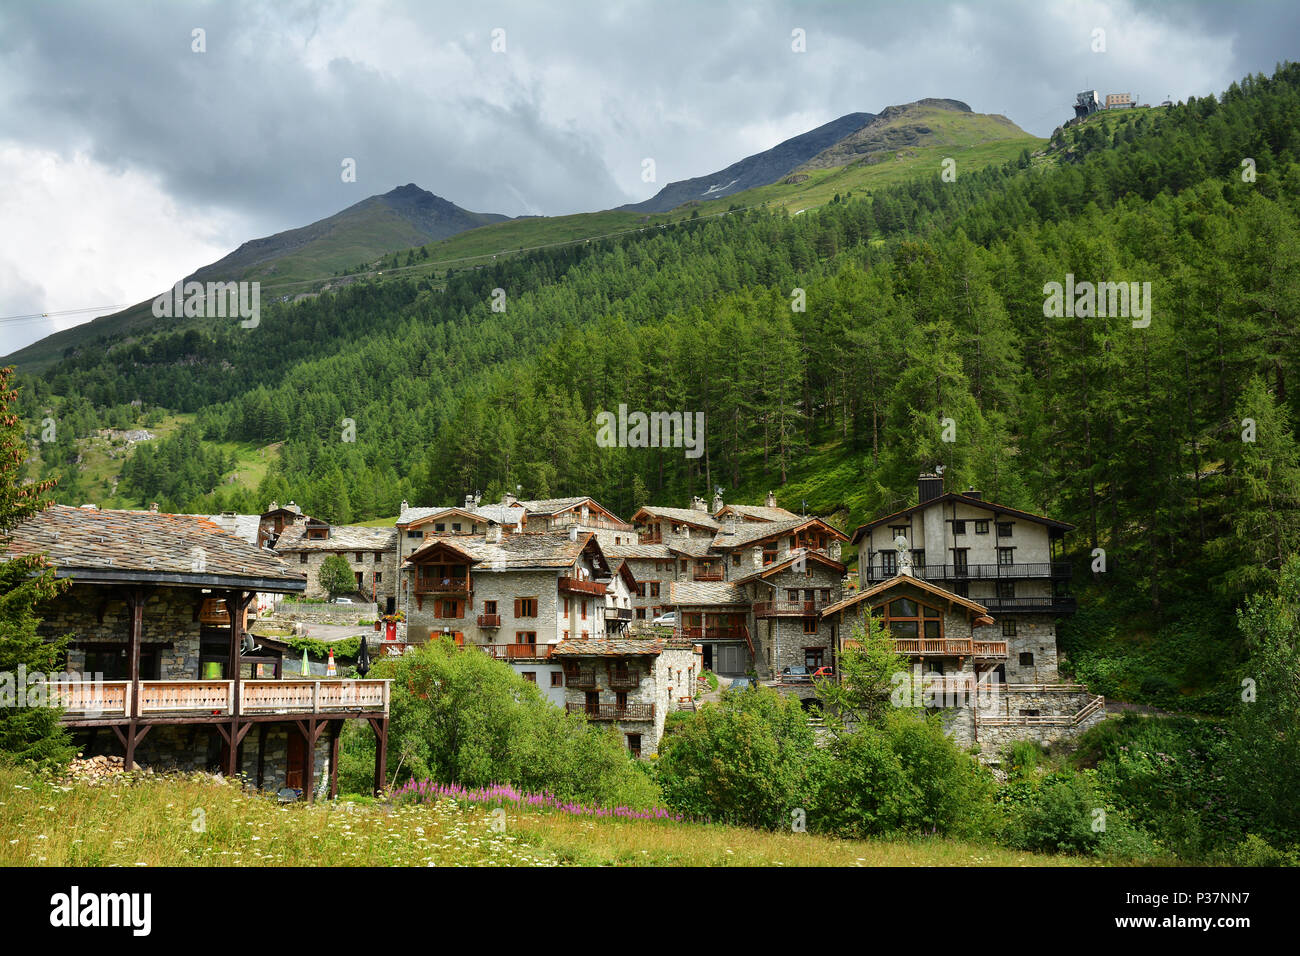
<point>173,618</point>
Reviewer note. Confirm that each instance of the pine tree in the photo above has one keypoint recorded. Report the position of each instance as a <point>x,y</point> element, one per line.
<point>31,735</point>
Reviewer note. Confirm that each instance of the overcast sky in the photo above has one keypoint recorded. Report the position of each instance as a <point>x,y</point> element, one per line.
<point>129,160</point>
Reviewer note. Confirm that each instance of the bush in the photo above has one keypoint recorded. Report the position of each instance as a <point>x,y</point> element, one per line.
<point>1055,816</point>
<point>749,760</point>
<point>905,776</point>
<point>462,717</point>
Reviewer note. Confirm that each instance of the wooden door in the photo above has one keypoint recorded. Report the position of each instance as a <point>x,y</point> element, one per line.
<point>297,761</point>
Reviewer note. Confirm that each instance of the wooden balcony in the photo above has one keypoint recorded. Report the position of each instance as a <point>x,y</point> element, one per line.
<point>707,576</point>
<point>618,613</point>
<point>88,700</point>
<point>788,608</point>
<point>489,620</point>
<point>728,632</point>
<point>579,586</point>
<point>1059,604</point>
<point>990,650</point>
<point>441,586</point>
<point>934,647</point>
<point>606,711</point>
<point>515,652</point>
<point>625,680</point>
<point>580,678</point>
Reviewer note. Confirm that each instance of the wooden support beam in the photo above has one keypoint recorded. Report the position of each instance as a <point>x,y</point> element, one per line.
<point>380,726</point>
<point>336,727</point>
<point>261,754</point>
<point>309,770</point>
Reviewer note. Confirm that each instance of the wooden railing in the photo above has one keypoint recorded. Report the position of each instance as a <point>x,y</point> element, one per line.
<point>580,678</point>
<point>707,576</point>
<point>722,632</point>
<point>509,652</point>
<point>625,679</point>
<point>788,608</point>
<point>489,620</point>
<point>579,586</point>
<point>1047,720</point>
<point>216,697</point>
<point>612,711</point>
<point>441,586</point>
<point>990,649</point>
<point>618,613</point>
<point>935,647</point>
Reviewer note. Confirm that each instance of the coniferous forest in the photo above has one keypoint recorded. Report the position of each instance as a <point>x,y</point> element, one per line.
<point>1172,446</point>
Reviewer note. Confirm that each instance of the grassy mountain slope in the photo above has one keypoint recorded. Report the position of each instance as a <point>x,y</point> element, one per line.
<point>290,262</point>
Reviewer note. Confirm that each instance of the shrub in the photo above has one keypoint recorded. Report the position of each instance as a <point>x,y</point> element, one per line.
<point>748,760</point>
<point>461,717</point>
<point>1056,815</point>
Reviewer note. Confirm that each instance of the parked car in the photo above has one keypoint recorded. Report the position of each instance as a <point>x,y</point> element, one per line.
<point>343,600</point>
<point>796,674</point>
<point>667,620</point>
<point>740,683</point>
<point>823,672</point>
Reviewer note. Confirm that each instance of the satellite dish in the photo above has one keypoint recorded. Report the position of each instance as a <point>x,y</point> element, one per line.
<point>250,644</point>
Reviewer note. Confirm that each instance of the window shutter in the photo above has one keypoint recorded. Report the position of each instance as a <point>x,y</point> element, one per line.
<point>517,603</point>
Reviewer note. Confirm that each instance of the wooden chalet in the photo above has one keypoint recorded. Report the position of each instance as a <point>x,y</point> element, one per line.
<point>156,613</point>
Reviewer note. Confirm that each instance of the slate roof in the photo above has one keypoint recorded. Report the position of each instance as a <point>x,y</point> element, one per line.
<point>92,545</point>
<point>757,512</point>
<point>687,515</point>
<point>342,538</point>
<point>750,532</point>
<point>782,565</point>
<point>411,515</point>
<point>242,526</point>
<point>706,593</point>
<point>529,549</point>
<point>973,607</point>
<point>619,647</point>
<point>656,552</point>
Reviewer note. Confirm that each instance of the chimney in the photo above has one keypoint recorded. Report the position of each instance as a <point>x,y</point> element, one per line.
<point>928,486</point>
<point>771,500</point>
<point>509,500</point>
<point>758,557</point>
<point>274,506</point>
<point>153,507</point>
<point>573,532</point>
<point>717,503</point>
<point>405,505</point>
<point>699,504</point>
<point>493,535</point>
<point>729,524</point>
<point>972,493</point>
<point>469,503</point>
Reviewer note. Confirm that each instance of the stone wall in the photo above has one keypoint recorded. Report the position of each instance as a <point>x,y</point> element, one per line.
<point>170,617</point>
<point>346,614</point>
<point>386,566</point>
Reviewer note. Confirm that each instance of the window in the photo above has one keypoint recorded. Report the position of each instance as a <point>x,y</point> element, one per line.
<point>654,589</point>
<point>959,559</point>
<point>1006,556</point>
<point>361,556</point>
<point>634,744</point>
<point>584,609</point>
<point>1028,712</point>
<point>889,562</point>
<point>640,612</point>
<point>959,527</point>
<point>557,678</point>
<point>735,559</point>
<point>565,612</point>
<point>918,557</point>
<point>909,619</point>
<point>1006,589</point>
<point>640,589</point>
<point>1004,529</point>
<point>769,553</point>
<point>439,528</point>
<point>526,607</point>
<point>302,557</point>
<point>897,529</point>
<point>620,699</point>
<point>812,657</point>
<point>379,577</point>
<point>1026,659</point>
<point>982,527</point>
<point>489,607</point>
<point>455,526</point>
<point>530,676</point>
<point>810,625</point>
<point>525,637</point>
<point>1008,628</point>
<point>378,556</point>
<point>415,534</point>
<point>449,607</point>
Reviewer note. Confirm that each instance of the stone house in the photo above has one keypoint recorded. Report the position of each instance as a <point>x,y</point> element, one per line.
<point>514,596</point>
<point>1008,560</point>
<point>632,683</point>
<point>158,660</point>
<point>371,553</point>
<point>959,665</point>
